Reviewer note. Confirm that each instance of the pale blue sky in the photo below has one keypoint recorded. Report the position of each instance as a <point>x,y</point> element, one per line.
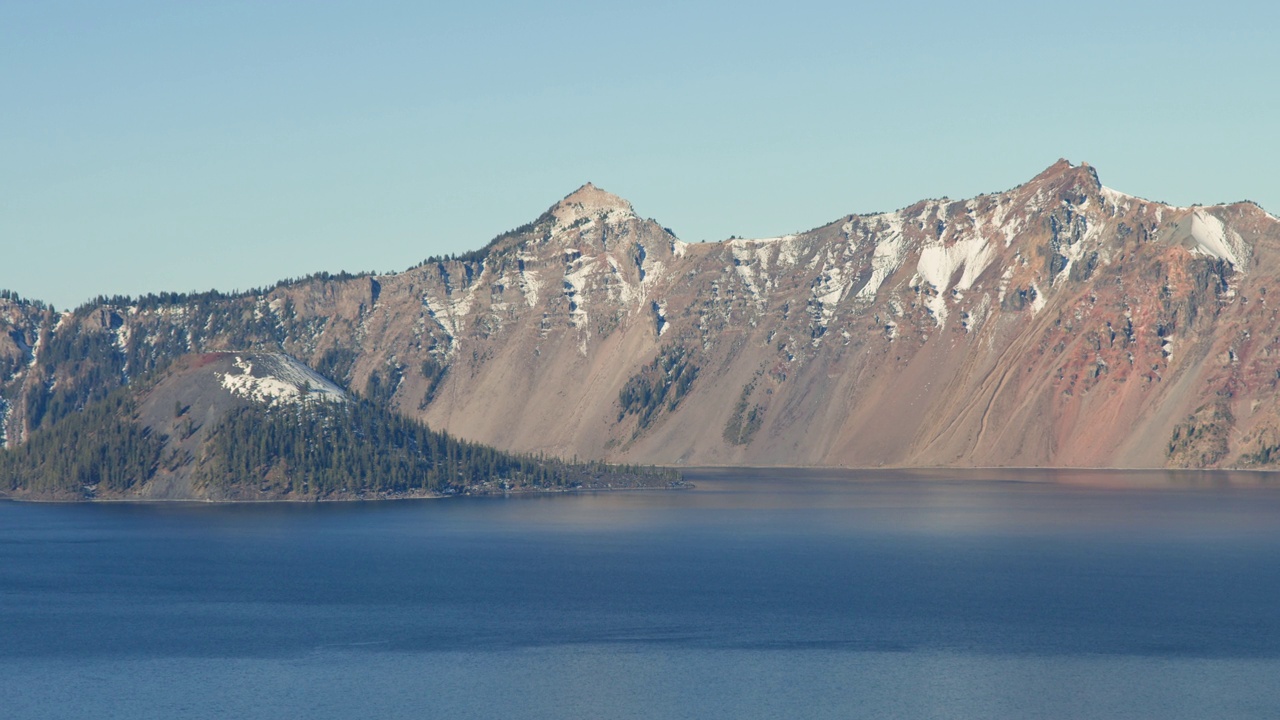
<point>178,146</point>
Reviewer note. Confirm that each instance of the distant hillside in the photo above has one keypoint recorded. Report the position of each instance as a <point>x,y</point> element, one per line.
<point>1058,323</point>
<point>263,426</point>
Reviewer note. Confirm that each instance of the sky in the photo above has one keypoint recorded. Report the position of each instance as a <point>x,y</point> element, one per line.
<point>183,146</point>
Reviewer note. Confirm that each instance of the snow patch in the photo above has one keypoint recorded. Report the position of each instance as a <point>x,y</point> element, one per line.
<point>279,380</point>
<point>451,313</point>
<point>1038,304</point>
<point>1119,201</point>
<point>762,250</point>
<point>749,253</point>
<point>977,315</point>
<point>749,242</point>
<point>624,291</point>
<point>748,279</point>
<point>1005,277</point>
<point>1213,238</point>
<point>891,250</point>
<point>938,264</point>
<point>575,283</point>
<point>660,317</point>
<point>530,286</point>
<point>122,337</point>
<point>831,286</point>
<point>828,290</point>
<point>574,286</point>
<point>436,310</point>
<point>654,270</point>
<point>1000,220</point>
<point>1076,251</point>
<point>35,347</point>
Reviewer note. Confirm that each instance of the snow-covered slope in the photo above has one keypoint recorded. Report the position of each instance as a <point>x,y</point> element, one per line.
<point>277,379</point>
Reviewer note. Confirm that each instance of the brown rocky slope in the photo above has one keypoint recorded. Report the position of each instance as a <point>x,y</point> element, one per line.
<point>1060,323</point>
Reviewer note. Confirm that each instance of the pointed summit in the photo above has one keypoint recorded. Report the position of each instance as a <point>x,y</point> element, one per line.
<point>1062,174</point>
<point>1068,181</point>
<point>1055,170</point>
<point>590,201</point>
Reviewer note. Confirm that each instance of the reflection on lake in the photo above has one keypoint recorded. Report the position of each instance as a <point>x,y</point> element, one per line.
<point>760,593</point>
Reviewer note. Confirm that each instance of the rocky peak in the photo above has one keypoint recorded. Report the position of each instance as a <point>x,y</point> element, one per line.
<point>589,202</point>
<point>1063,178</point>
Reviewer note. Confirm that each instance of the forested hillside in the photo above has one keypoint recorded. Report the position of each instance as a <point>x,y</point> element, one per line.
<point>210,427</point>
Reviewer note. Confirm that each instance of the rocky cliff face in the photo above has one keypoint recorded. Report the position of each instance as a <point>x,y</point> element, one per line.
<point>1059,323</point>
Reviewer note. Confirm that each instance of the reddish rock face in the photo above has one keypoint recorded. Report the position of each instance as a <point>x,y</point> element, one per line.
<point>1059,323</point>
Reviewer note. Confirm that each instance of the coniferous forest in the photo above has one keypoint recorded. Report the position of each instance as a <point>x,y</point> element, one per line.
<point>85,452</point>
<point>322,449</point>
<point>310,450</point>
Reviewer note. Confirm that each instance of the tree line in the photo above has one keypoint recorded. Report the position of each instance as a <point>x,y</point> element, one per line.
<point>319,448</point>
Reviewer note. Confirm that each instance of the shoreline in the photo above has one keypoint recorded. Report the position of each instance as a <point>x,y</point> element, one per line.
<point>1162,479</point>
<point>387,497</point>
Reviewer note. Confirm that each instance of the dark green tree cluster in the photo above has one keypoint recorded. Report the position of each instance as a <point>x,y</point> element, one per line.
<point>9,366</point>
<point>381,388</point>
<point>98,449</point>
<point>666,380</point>
<point>433,371</point>
<point>88,364</point>
<point>320,448</point>
<point>17,299</point>
<point>501,242</point>
<point>153,301</point>
<point>1204,437</point>
<point>322,276</point>
<point>336,364</point>
<point>236,323</point>
<point>745,420</point>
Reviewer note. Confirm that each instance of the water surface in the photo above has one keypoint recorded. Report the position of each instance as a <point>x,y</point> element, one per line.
<point>758,594</point>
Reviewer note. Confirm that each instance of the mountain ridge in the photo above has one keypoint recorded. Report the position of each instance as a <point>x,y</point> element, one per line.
<point>1056,323</point>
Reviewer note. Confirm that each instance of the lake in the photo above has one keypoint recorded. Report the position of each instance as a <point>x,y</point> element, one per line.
<point>758,594</point>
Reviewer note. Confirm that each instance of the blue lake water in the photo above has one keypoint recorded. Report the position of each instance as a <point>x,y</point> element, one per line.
<point>759,594</point>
